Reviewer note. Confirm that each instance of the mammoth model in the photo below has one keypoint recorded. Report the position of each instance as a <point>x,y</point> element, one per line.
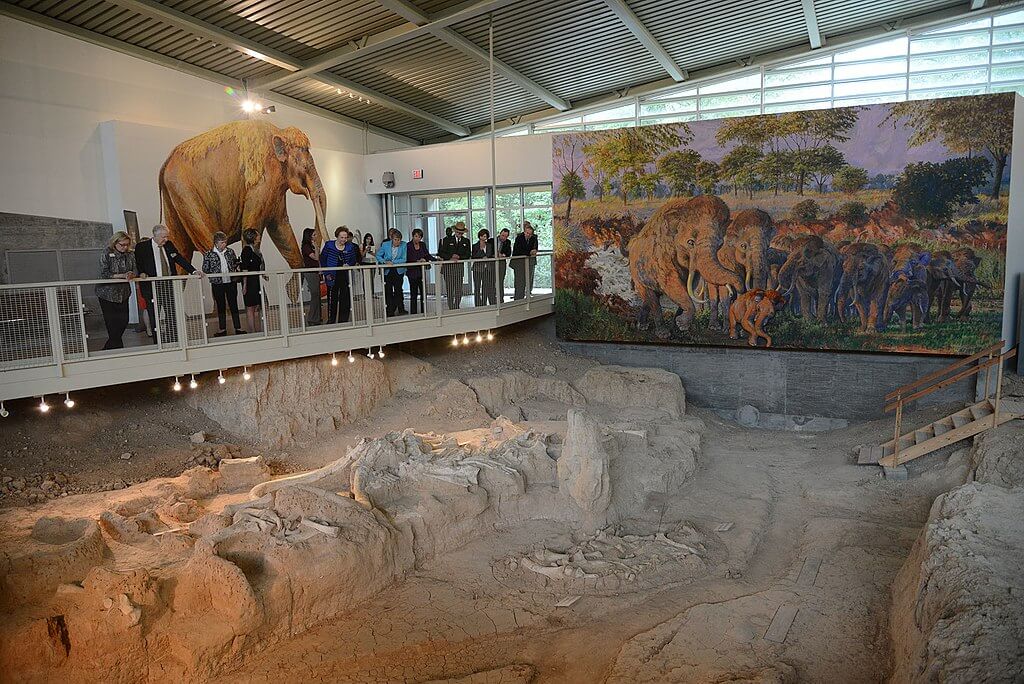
<point>864,282</point>
<point>813,268</point>
<point>744,251</point>
<point>752,310</point>
<point>967,261</point>
<point>235,177</point>
<point>944,278</point>
<point>678,245</point>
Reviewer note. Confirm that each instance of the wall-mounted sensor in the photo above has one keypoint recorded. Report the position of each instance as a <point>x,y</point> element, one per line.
<point>388,179</point>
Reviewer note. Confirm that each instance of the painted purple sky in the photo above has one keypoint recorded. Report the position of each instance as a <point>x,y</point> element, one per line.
<point>878,149</point>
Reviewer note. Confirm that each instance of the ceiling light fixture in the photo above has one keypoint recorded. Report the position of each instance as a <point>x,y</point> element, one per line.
<point>245,374</point>
<point>380,352</point>
<point>3,410</point>
<point>192,384</point>
<point>177,385</point>
<point>43,406</point>
<point>334,359</point>
<point>220,377</point>
<point>68,401</point>
<point>351,359</point>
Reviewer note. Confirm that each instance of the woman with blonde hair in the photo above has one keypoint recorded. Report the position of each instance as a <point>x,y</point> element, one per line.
<point>117,263</point>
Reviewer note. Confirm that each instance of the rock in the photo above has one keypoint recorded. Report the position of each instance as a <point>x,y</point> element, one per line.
<point>747,415</point>
<point>126,456</point>
<point>197,437</point>
<point>242,473</point>
<point>583,467</point>
<point>647,388</point>
<point>329,530</point>
<point>550,370</point>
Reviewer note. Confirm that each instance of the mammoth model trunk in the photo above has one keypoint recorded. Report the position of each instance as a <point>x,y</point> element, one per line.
<point>757,270</point>
<point>705,265</point>
<point>315,192</point>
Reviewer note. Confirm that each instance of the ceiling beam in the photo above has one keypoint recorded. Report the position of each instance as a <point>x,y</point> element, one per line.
<point>650,43</point>
<point>384,40</point>
<point>72,31</point>
<point>811,19</point>
<point>977,4</point>
<point>185,22</point>
<point>411,13</point>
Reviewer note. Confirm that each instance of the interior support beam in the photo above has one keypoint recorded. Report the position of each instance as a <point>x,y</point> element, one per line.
<point>977,4</point>
<point>382,41</point>
<point>650,43</point>
<point>180,20</point>
<point>811,18</point>
<point>72,31</point>
<point>411,13</point>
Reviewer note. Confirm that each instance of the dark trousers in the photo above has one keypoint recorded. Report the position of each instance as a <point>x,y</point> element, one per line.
<point>339,299</point>
<point>313,283</point>
<point>522,270</point>
<point>115,317</point>
<point>416,294</point>
<point>393,298</point>
<point>225,296</point>
<point>502,270</point>
<point>162,313</point>
<point>483,286</point>
<point>453,284</point>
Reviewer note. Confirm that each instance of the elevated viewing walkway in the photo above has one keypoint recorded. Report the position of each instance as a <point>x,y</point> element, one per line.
<point>52,334</point>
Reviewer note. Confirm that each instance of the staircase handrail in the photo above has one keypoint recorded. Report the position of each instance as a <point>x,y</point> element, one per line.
<point>973,370</point>
<point>935,375</point>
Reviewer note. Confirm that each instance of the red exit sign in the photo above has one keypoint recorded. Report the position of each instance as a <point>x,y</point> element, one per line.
<point>417,174</point>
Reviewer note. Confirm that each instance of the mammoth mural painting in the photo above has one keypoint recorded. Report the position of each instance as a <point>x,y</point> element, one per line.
<point>235,177</point>
<point>877,228</point>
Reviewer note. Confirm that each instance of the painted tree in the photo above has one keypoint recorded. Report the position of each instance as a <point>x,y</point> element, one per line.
<point>827,161</point>
<point>678,170</point>
<point>569,160</point>
<point>706,176</point>
<point>850,179</point>
<point>627,155</point>
<point>930,193</point>
<point>966,125</point>
<point>739,167</point>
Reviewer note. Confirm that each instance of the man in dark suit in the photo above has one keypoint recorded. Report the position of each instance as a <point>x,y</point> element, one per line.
<point>523,268</point>
<point>154,257</point>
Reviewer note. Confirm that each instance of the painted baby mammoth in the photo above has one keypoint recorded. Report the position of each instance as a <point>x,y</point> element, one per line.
<point>677,247</point>
<point>235,177</point>
<point>752,310</point>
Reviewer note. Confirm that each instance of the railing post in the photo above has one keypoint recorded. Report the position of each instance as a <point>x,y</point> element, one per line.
<point>154,315</point>
<point>899,425</point>
<point>81,322</point>
<point>56,338</point>
<point>988,376</point>
<point>202,312</point>
<point>368,297</point>
<point>180,318</point>
<point>283,314</point>
<point>999,392</point>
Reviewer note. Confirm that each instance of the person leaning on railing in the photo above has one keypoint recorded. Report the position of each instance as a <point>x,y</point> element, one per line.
<point>118,263</point>
<point>252,260</point>
<point>340,251</point>
<point>219,263</point>
<point>503,248</point>
<point>523,269</point>
<point>416,252</point>
<point>312,278</point>
<point>483,271</point>
<point>392,253</point>
<point>454,246</point>
<point>158,257</point>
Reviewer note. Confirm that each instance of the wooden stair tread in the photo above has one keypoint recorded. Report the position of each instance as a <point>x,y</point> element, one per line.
<point>979,411</point>
<point>923,435</point>
<point>959,421</point>
<point>942,426</point>
<point>869,454</point>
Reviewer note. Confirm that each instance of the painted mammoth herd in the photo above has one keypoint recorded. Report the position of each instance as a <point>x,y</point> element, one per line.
<point>696,254</point>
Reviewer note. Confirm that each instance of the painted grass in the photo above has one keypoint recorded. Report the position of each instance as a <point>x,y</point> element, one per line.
<point>582,317</point>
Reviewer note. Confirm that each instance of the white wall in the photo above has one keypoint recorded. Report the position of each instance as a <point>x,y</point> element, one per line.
<point>1015,228</point>
<point>55,94</point>
<point>467,164</point>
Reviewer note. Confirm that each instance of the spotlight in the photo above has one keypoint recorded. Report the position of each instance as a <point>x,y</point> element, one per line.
<point>369,353</point>
<point>245,374</point>
<point>380,352</point>
<point>455,341</point>
<point>220,377</point>
<point>479,337</point>
<point>334,359</point>
<point>43,406</point>
<point>3,410</point>
<point>192,384</point>
<point>465,340</point>
<point>250,106</point>
<point>68,401</point>
<point>490,336</point>
<point>351,359</point>
<point>177,385</point>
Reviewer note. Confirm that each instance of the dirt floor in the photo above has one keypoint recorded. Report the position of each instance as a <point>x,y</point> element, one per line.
<point>800,529</point>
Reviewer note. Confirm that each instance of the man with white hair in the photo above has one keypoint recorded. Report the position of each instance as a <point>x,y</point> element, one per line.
<point>156,257</point>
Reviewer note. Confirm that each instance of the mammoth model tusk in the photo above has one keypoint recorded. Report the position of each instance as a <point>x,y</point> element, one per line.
<point>750,280</point>
<point>955,281</point>
<point>731,290</point>
<point>689,287</point>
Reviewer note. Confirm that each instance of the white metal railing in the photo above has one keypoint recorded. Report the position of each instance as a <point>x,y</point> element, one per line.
<point>54,324</point>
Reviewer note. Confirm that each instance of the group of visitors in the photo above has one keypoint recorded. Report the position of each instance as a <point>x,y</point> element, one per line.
<point>156,257</point>
<point>401,259</point>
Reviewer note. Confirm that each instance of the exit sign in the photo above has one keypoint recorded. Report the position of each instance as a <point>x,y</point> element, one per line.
<point>417,174</point>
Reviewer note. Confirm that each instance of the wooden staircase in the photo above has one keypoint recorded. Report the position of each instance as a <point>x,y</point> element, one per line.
<point>987,414</point>
<point>943,432</point>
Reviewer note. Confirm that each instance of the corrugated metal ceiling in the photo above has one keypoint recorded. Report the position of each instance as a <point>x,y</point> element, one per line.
<point>576,49</point>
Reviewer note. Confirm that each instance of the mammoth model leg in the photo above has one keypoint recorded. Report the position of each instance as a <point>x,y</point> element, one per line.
<point>966,294</point>
<point>186,218</point>
<point>650,306</point>
<point>732,322</point>
<point>283,237</point>
<point>675,288</point>
<point>759,322</point>
<point>824,297</point>
<point>751,329</point>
